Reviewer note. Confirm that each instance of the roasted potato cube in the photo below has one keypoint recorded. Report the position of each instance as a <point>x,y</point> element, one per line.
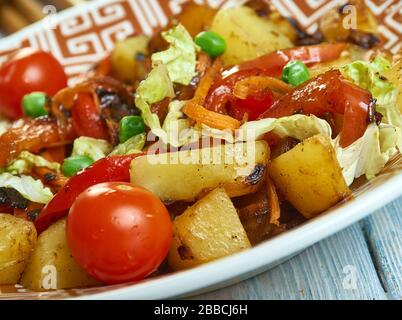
<point>247,35</point>
<point>17,241</point>
<point>353,22</point>
<point>187,175</point>
<point>395,76</point>
<point>52,266</point>
<point>125,55</point>
<point>309,176</point>
<point>208,230</point>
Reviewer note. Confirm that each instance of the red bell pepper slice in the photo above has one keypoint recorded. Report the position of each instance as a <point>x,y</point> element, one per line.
<point>272,64</point>
<point>331,93</point>
<point>309,55</point>
<point>108,169</point>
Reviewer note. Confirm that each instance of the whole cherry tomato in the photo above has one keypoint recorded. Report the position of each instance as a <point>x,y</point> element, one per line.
<point>119,232</point>
<point>28,71</point>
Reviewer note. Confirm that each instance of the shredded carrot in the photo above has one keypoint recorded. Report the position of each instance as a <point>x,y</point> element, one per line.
<point>210,118</point>
<point>275,210</point>
<point>194,109</point>
<point>250,85</point>
<point>206,82</point>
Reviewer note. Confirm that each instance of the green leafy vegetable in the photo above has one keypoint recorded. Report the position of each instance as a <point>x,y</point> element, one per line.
<point>93,148</point>
<point>368,155</point>
<point>370,76</point>
<point>132,145</point>
<point>181,56</point>
<point>28,187</point>
<point>26,161</point>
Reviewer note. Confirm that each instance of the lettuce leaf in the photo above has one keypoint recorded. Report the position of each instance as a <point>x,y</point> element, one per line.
<point>28,187</point>
<point>180,58</point>
<point>132,145</point>
<point>156,87</point>
<point>368,155</point>
<point>369,76</point>
<point>26,161</point>
<point>94,148</point>
<point>297,126</point>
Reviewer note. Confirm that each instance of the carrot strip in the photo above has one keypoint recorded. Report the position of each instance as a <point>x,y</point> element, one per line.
<point>254,84</point>
<point>206,82</point>
<point>210,118</point>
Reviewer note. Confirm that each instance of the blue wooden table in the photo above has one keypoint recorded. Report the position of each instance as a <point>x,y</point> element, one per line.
<point>361,262</point>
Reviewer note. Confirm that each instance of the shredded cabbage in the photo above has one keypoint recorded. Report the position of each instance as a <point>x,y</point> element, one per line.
<point>180,58</point>
<point>28,187</point>
<point>26,161</point>
<point>133,145</point>
<point>369,76</point>
<point>94,148</point>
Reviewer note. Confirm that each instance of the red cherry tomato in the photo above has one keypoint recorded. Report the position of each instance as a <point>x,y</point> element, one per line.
<point>27,71</point>
<point>86,118</point>
<point>119,232</point>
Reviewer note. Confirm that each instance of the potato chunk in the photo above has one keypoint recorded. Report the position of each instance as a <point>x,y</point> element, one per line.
<point>124,57</point>
<point>309,176</point>
<point>247,35</point>
<point>17,241</point>
<point>209,230</point>
<point>52,266</point>
<point>187,175</point>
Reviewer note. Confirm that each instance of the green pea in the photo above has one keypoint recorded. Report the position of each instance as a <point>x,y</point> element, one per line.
<point>34,104</point>
<point>295,73</point>
<point>211,43</point>
<point>74,164</point>
<point>130,126</point>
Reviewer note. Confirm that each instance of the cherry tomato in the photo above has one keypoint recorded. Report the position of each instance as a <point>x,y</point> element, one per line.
<point>107,169</point>
<point>87,120</point>
<point>28,71</point>
<point>119,232</point>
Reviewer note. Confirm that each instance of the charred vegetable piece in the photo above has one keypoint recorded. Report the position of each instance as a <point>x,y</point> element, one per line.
<point>12,198</point>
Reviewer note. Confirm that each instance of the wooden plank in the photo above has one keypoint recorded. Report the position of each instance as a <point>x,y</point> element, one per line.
<point>383,232</point>
<point>317,273</point>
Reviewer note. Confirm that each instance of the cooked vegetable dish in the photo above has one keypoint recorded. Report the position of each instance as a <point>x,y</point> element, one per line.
<point>201,141</point>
